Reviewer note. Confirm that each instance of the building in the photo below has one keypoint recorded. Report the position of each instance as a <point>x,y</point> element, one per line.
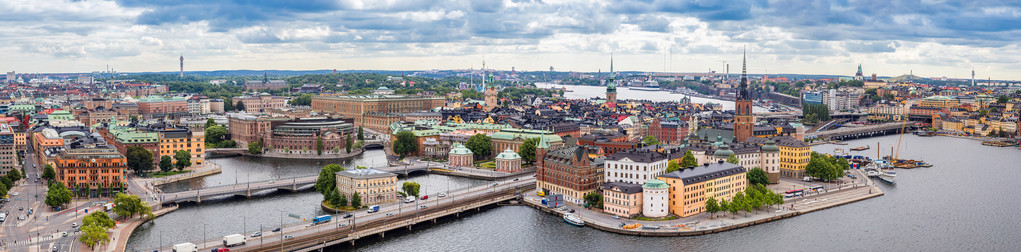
<point>794,155</point>
<point>569,171</point>
<point>357,106</point>
<point>265,84</point>
<point>611,85</point>
<point>771,161</point>
<point>743,119</point>
<point>260,103</point>
<point>460,156</point>
<point>510,138</point>
<point>373,186</point>
<point>939,102</point>
<point>655,199</point>
<point>159,106</point>
<point>8,152</point>
<point>634,166</point>
<point>297,135</point>
<point>622,199</point>
<point>216,106</point>
<point>175,138</point>
<point>90,164</point>
<point>668,131</point>
<point>46,143</point>
<point>691,187</point>
<point>508,161</point>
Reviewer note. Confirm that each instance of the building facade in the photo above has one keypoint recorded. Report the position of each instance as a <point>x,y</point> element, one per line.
<point>655,199</point>
<point>372,185</point>
<point>634,166</point>
<point>691,187</point>
<point>508,161</point>
<point>356,106</point>
<point>568,171</point>
<point>96,168</point>
<point>622,199</point>
<point>460,156</point>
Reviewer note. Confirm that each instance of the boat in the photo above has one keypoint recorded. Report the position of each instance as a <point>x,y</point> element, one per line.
<point>840,143</point>
<point>648,84</point>
<point>925,133</point>
<point>997,143</point>
<point>861,148</point>
<point>888,178</point>
<point>574,220</point>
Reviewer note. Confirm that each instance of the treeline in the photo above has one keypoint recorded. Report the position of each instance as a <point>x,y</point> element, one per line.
<point>826,167</point>
<point>813,113</point>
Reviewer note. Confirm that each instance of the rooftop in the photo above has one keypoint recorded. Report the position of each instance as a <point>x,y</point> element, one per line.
<point>705,172</point>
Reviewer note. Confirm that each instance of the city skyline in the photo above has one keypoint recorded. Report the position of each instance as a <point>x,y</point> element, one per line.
<point>888,38</point>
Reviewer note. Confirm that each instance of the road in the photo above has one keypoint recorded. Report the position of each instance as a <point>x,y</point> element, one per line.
<point>43,224</point>
<point>360,216</point>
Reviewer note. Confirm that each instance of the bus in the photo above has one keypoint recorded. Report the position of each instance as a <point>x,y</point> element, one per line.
<point>817,189</point>
<point>793,193</point>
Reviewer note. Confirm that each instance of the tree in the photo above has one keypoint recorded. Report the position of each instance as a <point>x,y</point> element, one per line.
<point>240,106</point>
<point>210,123</point>
<point>327,180</point>
<point>139,159</point>
<point>133,119</point>
<point>214,135</point>
<point>411,188</point>
<point>757,176</point>
<point>126,206</point>
<point>49,174</point>
<point>228,104</point>
<point>347,144</point>
<point>334,198</point>
<point>254,148</point>
<point>650,140</point>
<point>319,145</point>
<point>94,235</point>
<point>527,150</point>
<point>166,164</point>
<point>7,182</point>
<point>1002,99</point>
<point>98,218</point>
<point>406,143</point>
<point>342,200</point>
<point>672,166</point>
<point>361,133</point>
<point>594,199</point>
<point>57,195</point>
<point>183,159</point>
<point>711,206</point>
<point>732,159</point>
<point>737,203</point>
<point>3,189</point>
<point>688,160</point>
<point>14,175</point>
<point>356,201</point>
<point>724,206</point>
<point>480,145</point>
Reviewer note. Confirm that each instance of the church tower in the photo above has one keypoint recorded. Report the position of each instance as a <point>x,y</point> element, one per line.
<point>743,121</point>
<point>611,86</point>
<point>491,89</point>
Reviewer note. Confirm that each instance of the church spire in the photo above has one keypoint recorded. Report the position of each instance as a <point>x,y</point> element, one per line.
<point>742,92</point>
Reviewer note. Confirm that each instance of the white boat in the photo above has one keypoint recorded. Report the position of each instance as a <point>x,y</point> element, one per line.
<point>574,220</point>
<point>886,177</point>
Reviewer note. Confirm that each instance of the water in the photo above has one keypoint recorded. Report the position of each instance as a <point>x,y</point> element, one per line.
<point>965,202</point>
<point>623,93</point>
<point>229,215</point>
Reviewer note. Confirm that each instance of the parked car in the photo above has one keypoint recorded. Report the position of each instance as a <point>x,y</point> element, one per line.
<point>342,225</point>
<point>516,179</point>
<point>389,214</point>
<point>288,237</point>
<point>74,224</point>
<point>422,206</point>
<point>276,229</point>
<point>441,195</point>
<point>348,216</point>
<point>425,197</point>
<point>616,217</point>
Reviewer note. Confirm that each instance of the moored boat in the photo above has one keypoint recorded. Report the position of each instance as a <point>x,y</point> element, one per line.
<point>574,220</point>
<point>860,148</point>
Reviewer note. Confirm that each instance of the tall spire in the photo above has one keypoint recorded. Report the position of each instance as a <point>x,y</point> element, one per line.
<point>743,88</point>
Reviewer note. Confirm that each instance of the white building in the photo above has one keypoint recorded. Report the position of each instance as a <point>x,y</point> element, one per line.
<point>771,161</point>
<point>655,198</point>
<point>634,166</point>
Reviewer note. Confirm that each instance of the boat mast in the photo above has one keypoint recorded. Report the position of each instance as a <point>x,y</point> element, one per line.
<point>899,139</point>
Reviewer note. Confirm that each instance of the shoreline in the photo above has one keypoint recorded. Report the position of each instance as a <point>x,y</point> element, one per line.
<point>279,155</point>
<point>129,229</point>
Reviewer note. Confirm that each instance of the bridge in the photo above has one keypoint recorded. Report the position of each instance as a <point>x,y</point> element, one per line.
<point>196,195</point>
<point>373,143</point>
<point>225,152</point>
<point>846,133</point>
<point>390,217</point>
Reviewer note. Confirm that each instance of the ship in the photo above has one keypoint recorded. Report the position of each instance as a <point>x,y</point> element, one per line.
<point>574,220</point>
<point>925,133</point>
<point>861,148</point>
<point>647,85</point>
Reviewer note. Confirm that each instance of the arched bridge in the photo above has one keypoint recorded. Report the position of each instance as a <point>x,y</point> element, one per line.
<point>864,131</point>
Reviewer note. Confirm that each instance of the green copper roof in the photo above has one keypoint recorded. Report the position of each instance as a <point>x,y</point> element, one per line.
<point>770,146</point>
<point>508,154</point>
<point>655,184</point>
<point>723,152</point>
<point>460,149</point>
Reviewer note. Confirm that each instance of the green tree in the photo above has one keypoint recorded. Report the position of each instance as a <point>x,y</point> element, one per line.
<point>342,200</point>
<point>480,145</point>
<point>49,174</point>
<point>214,135</point>
<point>240,106</point>
<point>711,206</point>
<point>1002,99</point>
<point>166,164</point>
<point>139,159</point>
<point>319,145</point>
<point>254,148</point>
<point>737,203</point>
<point>3,189</point>
<point>361,133</point>
<point>650,140</point>
<point>411,188</point>
<point>527,150</point>
<point>94,235</point>
<point>672,166</point>
<point>7,182</point>
<point>688,160</point>
<point>126,206</point>
<point>406,143</point>
<point>347,144</point>
<point>183,159</point>
<point>98,218</point>
<point>356,201</point>
<point>327,180</point>
<point>732,159</point>
<point>334,198</point>
<point>210,123</point>
<point>756,176</point>
<point>594,199</point>
<point>724,206</point>
<point>58,195</point>
<point>14,175</point>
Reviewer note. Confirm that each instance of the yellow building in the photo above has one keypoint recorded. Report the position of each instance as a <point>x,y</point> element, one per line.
<point>373,186</point>
<point>20,140</point>
<point>794,156</point>
<point>952,124</point>
<point>939,102</point>
<point>176,139</point>
<point>690,188</point>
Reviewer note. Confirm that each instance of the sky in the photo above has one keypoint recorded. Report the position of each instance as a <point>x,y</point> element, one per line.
<point>930,38</point>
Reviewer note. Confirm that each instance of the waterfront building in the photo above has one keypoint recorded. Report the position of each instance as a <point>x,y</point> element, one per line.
<point>569,171</point>
<point>510,138</point>
<point>460,156</point>
<point>622,199</point>
<point>173,138</point>
<point>634,166</point>
<point>794,154</point>
<point>89,163</point>
<point>770,161</point>
<point>743,119</point>
<point>655,202</point>
<point>373,186</point>
<point>281,134</point>
<point>691,187</point>
<point>508,161</point>
<point>357,106</point>
<point>260,103</point>
<point>8,152</point>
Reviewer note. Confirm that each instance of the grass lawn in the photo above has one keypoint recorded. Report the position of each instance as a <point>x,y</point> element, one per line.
<point>164,174</point>
<point>488,165</point>
<point>343,208</point>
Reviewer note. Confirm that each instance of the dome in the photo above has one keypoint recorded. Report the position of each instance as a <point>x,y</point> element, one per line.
<point>508,154</point>
<point>723,152</point>
<point>459,149</point>
<point>770,146</point>
<point>382,88</point>
<point>655,184</point>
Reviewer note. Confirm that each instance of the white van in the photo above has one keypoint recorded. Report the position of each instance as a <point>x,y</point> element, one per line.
<point>186,247</point>
<point>409,199</point>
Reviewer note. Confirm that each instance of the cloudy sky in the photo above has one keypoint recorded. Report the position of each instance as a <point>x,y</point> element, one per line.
<point>889,37</point>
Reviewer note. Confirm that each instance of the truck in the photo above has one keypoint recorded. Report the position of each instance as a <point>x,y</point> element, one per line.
<point>233,240</point>
<point>108,207</point>
<point>186,247</point>
<point>321,219</point>
<point>3,217</point>
<point>373,209</point>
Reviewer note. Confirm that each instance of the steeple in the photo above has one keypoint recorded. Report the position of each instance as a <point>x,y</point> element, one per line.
<point>742,92</point>
<point>611,85</point>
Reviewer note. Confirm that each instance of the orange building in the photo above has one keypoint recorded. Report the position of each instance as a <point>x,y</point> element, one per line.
<point>96,168</point>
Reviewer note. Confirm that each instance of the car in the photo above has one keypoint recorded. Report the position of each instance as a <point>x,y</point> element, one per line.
<point>64,234</point>
<point>425,197</point>
<point>516,179</point>
<point>389,214</point>
<point>54,248</point>
<point>342,225</point>
<point>277,229</point>
<point>441,195</point>
<point>310,224</point>
<point>257,234</point>
<point>348,216</point>
<point>78,229</point>
<point>74,224</point>
<point>288,237</point>
<point>570,210</point>
<point>422,206</point>
<point>616,217</point>
<point>21,217</point>
<point>21,208</point>
<point>15,193</point>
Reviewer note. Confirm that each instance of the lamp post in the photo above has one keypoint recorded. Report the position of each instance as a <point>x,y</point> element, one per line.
<point>203,235</point>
